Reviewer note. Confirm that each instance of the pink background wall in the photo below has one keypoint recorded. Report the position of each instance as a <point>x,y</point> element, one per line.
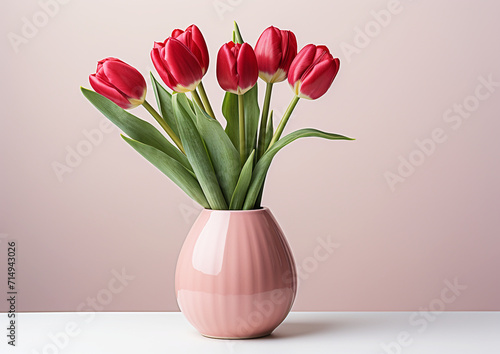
<point>395,246</point>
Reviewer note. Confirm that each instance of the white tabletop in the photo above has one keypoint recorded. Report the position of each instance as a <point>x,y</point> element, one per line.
<point>301,332</point>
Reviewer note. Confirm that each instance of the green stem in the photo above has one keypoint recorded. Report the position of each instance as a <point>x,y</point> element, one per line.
<point>263,120</point>
<point>164,125</point>
<point>284,120</point>
<point>206,102</point>
<point>197,98</point>
<point>241,113</point>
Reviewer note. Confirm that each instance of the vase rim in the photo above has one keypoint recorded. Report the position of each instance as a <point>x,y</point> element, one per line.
<point>262,209</point>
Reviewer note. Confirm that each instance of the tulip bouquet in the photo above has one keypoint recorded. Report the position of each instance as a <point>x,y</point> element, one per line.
<point>219,167</point>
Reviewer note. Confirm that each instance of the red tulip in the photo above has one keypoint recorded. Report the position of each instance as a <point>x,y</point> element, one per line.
<point>275,50</point>
<point>193,39</point>
<point>237,69</point>
<point>312,71</point>
<point>119,82</point>
<point>177,65</point>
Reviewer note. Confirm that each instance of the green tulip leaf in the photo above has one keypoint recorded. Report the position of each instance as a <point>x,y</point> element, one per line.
<point>262,166</point>
<point>244,180</point>
<point>172,169</point>
<point>252,111</point>
<point>135,127</point>
<point>196,151</point>
<point>269,131</point>
<point>237,34</point>
<point>164,102</point>
<point>224,156</point>
<point>230,112</point>
<point>252,118</point>
<point>269,136</point>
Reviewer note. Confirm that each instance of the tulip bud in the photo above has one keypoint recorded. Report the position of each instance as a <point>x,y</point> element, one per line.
<point>275,50</point>
<point>177,65</point>
<point>237,69</point>
<point>193,39</point>
<point>312,71</point>
<point>119,82</point>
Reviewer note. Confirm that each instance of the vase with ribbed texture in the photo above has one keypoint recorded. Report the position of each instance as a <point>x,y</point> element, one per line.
<point>235,276</point>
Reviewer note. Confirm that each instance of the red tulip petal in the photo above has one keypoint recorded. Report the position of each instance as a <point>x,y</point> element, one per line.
<point>159,45</point>
<point>109,92</point>
<point>193,39</point>
<point>337,64</point>
<point>247,68</point>
<point>125,78</point>
<point>176,33</point>
<point>101,62</point>
<point>301,63</point>
<point>319,79</point>
<point>182,64</point>
<point>100,74</point>
<point>158,62</point>
<point>199,40</point>
<point>186,38</point>
<point>268,52</point>
<point>319,56</point>
<point>289,48</point>
<point>227,75</point>
<point>321,50</point>
<point>99,65</point>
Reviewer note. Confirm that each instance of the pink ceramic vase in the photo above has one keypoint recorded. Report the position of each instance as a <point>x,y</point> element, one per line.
<point>235,275</point>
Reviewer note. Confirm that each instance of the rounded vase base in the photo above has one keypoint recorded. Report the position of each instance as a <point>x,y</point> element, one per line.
<point>250,337</point>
